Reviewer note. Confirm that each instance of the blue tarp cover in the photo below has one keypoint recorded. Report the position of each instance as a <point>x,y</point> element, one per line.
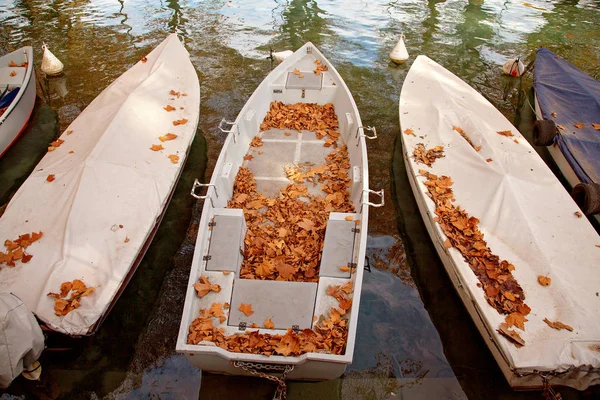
<point>8,97</point>
<point>574,97</point>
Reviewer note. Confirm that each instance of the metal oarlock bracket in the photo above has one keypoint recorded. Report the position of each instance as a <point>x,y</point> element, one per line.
<point>363,134</point>
<point>222,127</point>
<point>379,193</point>
<point>207,196</point>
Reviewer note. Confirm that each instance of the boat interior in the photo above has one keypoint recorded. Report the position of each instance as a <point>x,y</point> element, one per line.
<point>13,69</point>
<point>220,247</point>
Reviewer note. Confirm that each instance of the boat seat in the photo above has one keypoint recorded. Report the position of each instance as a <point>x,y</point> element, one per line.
<point>309,81</point>
<point>287,304</point>
<point>226,246</point>
<point>12,81</point>
<point>338,248</point>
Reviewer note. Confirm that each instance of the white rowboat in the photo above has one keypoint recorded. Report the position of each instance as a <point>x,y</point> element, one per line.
<point>99,196</point>
<point>222,243</point>
<point>17,84</point>
<point>527,218</point>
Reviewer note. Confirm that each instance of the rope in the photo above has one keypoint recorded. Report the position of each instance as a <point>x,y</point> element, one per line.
<point>281,391</point>
<point>547,391</point>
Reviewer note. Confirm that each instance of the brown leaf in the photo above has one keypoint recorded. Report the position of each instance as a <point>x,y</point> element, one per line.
<point>596,126</point>
<point>544,280</point>
<point>578,214</point>
<point>169,108</point>
<point>50,178</point>
<point>578,125</point>
<point>553,114</point>
<point>516,319</point>
<point>409,131</point>
<point>144,59</point>
<point>511,335</point>
<point>557,325</point>
<point>174,158</point>
<point>248,157</point>
<point>126,240</point>
<point>203,287</point>
<point>489,160</point>
<point>157,147</point>
<point>246,309</point>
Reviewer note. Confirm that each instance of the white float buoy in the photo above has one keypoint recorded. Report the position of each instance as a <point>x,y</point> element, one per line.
<point>399,54</point>
<point>513,67</point>
<point>282,55</point>
<point>50,64</point>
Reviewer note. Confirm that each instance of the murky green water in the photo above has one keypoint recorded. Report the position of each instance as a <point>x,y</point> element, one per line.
<point>415,340</point>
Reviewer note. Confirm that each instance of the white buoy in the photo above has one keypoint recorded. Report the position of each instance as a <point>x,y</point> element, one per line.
<point>399,54</point>
<point>513,67</point>
<point>50,64</point>
<point>282,55</point>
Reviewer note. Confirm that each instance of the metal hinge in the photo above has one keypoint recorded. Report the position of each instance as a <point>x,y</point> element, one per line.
<point>212,223</point>
<point>303,93</point>
<point>207,257</point>
<point>355,230</point>
<point>351,265</point>
<point>296,328</point>
<point>309,50</point>
<point>242,326</point>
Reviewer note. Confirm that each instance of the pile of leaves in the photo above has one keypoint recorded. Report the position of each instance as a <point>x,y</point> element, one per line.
<point>427,157</point>
<point>501,289</point>
<point>320,67</point>
<point>303,116</point>
<point>285,234</point>
<point>77,289</point>
<point>15,249</point>
<point>328,336</point>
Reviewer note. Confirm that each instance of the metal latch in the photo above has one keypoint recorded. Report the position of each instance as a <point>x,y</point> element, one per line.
<point>207,257</point>
<point>296,328</point>
<point>212,223</point>
<point>355,230</point>
<point>242,326</point>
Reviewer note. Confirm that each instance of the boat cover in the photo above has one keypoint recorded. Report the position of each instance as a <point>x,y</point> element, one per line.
<point>574,97</point>
<point>21,339</point>
<point>109,192</point>
<point>8,98</point>
<point>526,215</point>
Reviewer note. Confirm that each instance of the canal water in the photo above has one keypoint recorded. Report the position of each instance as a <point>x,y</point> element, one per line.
<point>415,340</point>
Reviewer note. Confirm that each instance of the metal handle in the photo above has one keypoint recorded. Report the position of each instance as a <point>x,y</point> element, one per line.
<point>225,122</point>
<point>367,128</point>
<point>206,196</point>
<point>379,193</point>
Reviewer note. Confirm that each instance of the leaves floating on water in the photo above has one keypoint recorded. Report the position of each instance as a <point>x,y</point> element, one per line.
<point>203,287</point>
<point>544,280</point>
<point>557,325</point>
<point>78,290</point>
<point>427,157</point>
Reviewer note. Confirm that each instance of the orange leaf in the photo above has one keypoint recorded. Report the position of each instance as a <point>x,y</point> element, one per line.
<point>345,268</point>
<point>50,178</point>
<point>157,147</point>
<point>409,131</point>
<point>203,287</point>
<point>505,133</point>
<point>578,125</point>
<point>246,309</point>
<point>248,157</point>
<point>174,158</point>
<point>544,280</point>
<point>168,136</point>
<point>144,59</point>
<point>57,143</point>
<point>349,218</point>
<point>180,122</point>
<point>557,325</point>
<point>489,160</point>
<point>126,239</point>
<point>169,108</point>
<point>269,324</point>
<point>26,258</point>
<point>596,126</point>
<point>13,73</point>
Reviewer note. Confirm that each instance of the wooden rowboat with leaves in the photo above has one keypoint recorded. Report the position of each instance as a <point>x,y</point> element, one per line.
<point>512,240</point>
<point>277,270</point>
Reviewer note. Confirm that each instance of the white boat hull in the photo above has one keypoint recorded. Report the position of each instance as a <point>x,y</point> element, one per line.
<point>312,365</point>
<point>99,193</point>
<point>527,219</point>
<point>15,119</point>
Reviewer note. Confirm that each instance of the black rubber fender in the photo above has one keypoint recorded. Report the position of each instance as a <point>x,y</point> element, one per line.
<point>587,197</point>
<point>544,132</point>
